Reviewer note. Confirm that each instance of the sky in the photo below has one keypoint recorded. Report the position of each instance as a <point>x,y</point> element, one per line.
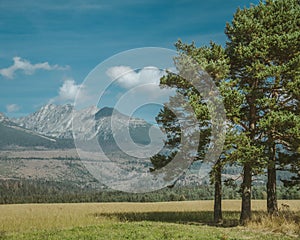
<point>48,48</point>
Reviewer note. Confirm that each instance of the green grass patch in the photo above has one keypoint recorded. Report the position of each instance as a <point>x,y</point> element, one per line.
<point>146,230</point>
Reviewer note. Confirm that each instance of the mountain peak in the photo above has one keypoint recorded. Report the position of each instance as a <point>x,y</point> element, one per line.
<point>48,106</point>
<point>105,112</point>
<point>52,106</point>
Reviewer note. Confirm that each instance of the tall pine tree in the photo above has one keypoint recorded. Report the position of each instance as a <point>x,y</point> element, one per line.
<point>213,60</point>
<point>263,49</point>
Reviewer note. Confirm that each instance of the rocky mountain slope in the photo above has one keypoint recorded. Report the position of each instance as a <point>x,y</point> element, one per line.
<point>54,120</point>
<point>14,136</point>
<point>57,121</point>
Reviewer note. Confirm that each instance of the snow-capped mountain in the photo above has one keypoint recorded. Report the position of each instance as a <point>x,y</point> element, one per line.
<point>63,121</point>
<point>54,120</point>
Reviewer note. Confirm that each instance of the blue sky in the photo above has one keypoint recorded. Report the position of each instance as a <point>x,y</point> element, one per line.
<point>47,48</point>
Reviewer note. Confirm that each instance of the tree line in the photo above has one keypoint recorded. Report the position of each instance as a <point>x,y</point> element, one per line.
<point>15,191</point>
<point>257,74</point>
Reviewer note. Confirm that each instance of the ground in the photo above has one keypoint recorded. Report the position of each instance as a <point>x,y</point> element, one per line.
<point>170,220</point>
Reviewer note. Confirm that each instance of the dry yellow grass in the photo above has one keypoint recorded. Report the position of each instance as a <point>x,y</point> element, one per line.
<point>29,217</point>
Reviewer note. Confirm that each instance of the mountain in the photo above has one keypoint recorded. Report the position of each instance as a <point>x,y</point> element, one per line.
<point>55,126</point>
<point>138,128</point>
<point>13,136</point>
<point>57,121</point>
<point>51,120</point>
<point>104,112</point>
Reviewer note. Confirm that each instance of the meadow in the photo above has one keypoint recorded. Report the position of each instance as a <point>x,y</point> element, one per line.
<point>165,220</point>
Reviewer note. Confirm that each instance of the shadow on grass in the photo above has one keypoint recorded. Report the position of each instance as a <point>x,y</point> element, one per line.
<point>230,219</point>
<point>2,234</point>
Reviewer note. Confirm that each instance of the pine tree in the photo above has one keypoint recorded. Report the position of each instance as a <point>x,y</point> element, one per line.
<point>213,60</point>
<point>263,48</point>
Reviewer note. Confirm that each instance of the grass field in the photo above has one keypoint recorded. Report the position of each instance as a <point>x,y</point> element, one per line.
<point>171,220</point>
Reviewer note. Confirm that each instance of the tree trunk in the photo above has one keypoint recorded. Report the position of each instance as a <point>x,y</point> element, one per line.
<point>218,193</point>
<point>247,178</point>
<point>272,205</point>
<point>246,194</point>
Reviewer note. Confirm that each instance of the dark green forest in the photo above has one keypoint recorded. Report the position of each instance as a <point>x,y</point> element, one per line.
<point>33,191</point>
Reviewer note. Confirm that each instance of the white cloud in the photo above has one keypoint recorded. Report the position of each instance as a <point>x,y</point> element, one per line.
<point>128,78</point>
<point>27,67</point>
<point>10,108</point>
<point>143,83</point>
<point>68,92</point>
<point>140,88</point>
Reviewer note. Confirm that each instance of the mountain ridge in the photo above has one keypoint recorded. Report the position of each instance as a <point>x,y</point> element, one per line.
<point>57,121</point>
<point>14,136</point>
